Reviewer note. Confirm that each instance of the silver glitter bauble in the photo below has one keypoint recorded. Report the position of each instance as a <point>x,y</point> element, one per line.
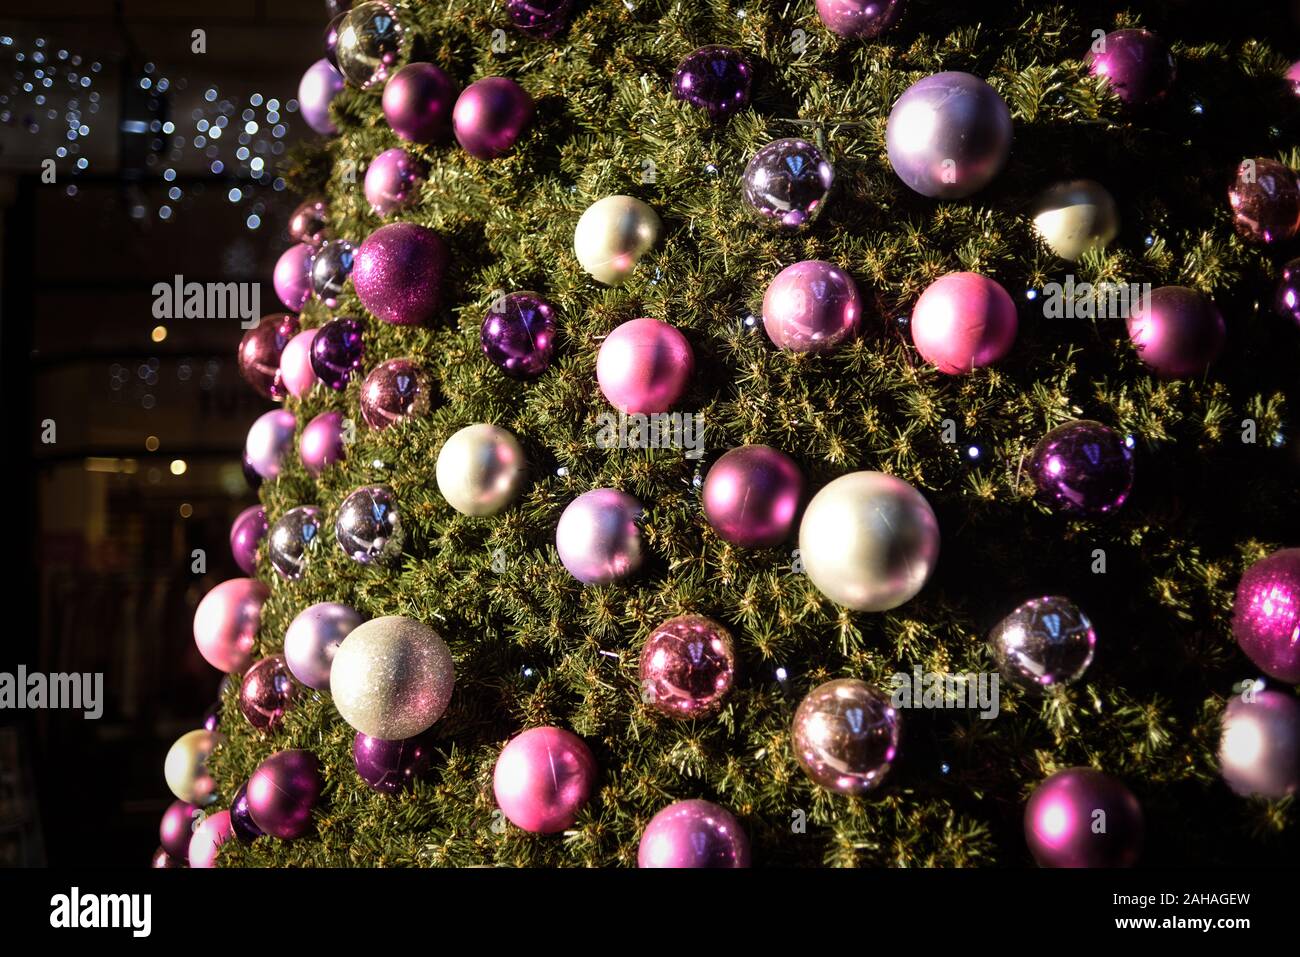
<point>291,542</point>
<point>480,469</point>
<point>331,265</point>
<point>368,527</point>
<point>392,678</point>
<point>1046,641</point>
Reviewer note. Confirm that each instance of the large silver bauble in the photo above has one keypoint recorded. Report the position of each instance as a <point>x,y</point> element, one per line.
<point>392,678</point>
<point>1045,641</point>
<point>612,236</point>
<point>481,469</point>
<point>1075,217</point>
<point>372,45</point>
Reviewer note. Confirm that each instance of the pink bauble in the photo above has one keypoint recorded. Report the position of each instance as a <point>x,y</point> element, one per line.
<point>322,442</point>
<point>964,321</point>
<point>177,827</point>
<point>491,115</point>
<point>226,622</point>
<point>644,366</point>
<point>208,838</point>
<point>283,791</point>
<point>270,440</point>
<point>543,778</point>
<point>392,181</point>
<point>599,538</point>
<point>398,273</point>
<point>1178,332</point>
<point>752,496</point>
<point>811,306</point>
<point>1266,615</point>
<point>295,364</point>
<point>418,101</point>
<point>292,277</point>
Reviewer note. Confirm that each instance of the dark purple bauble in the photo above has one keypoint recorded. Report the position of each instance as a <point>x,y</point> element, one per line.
<point>251,475</point>
<point>418,101</point>
<point>1178,332</point>
<point>332,40</point>
<point>241,817</point>
<point>787,182</point>
<point>1266,615</point>
<point>337,351</point>
<point>862,19</point>
<point>1081,817</point>
<point>540,18</point>
<point>716,79</point>
<point>1265,201</point>
<point>391,766</point>
<point>1287,302</point>
<point>490,115</point>
<point>393,392</point>
<point>1083,468</point>
<point>246,534</point>
<point>267,692</point>
<point>282,792</point>
<point>161,859</point>
<point>292,540</point>
<point>177,827</point>
<point>1136,64</point>
<point>399,273</point>
<point>331,265</point>
<point>259,353</point>
<point>519,334</point>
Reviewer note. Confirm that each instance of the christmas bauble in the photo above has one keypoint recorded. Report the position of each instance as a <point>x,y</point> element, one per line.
<point>540,18</point>
<point>752,496</point>
<point>394,391</point>
<point>322,443</point>
<point>1266,615</point>
<point>491,115</point>
<point>845,736</point>
<point>1044,642</point>
<point>1136,65</point>
<point>481,469</point>
<point>186,767</point>
<point>869,541</point>
<point>1178,332</point>
<point>644,366</point>
<point>162,860</point>
<point>246,534</point>
<point>369,527</point>
<point>312,639</point>
<point>949,135</point>
<point>266,693</point>
<point>1076,217</point>
<point>316,91</point>
<point>787,183</point>
<point>1259,748</point>
<point>309,222</point>
<point>543,778</point>
<point>207,839</point>
<point>293,541</point>
<point>811,306</point>
<point>716,79</point>
<point>599,538</point>
<point>418,101</point>
<point>295,364</point>
<point>373,45</point>
<point>519,334</point>
<point>177,827</point>
<point>241,817</point>
<point>861,19</point>
<point>1293,77</point>
<point>260,351</point>
<point>292,276</point>
<point>1081,817</point>
<point>1265,201</point>
<point>393,180</point>
<point>283,791</point>
<point>392,678</point>
<point>1287,302</point>
<point>693,834</point>
<point>250,474</point>
<point>270,440</point>
<point>337,351</point>
<point>687,666</point>
<point>226,623</point>
<point>399,273</point>
<point>331,265</point>
<point>964,321</point>
<point>1082,468</point>
<point>612,236</point>
<point>391,766</point>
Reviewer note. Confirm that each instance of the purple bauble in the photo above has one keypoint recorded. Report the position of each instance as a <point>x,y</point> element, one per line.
<point>491,115</point>
<point>1259,746</point>
<point>337,351</point>
<point>599,538</point>
<point>309,222</point>
<point>812,306</point>
<point>261,349</point>
<point>392,766</point>
<point>292,541</point>
<point>1178,332</point>
<point>322,443</point>
<point>1265,201</point>
<point>292,276</point>
<point>540,18</point>
<point>1287,302</point>
<point>1136,64</point>
<point>246,534</point>
<point>266,693</point>
<point>518,334</point>
<point>1266,615</point>
<point>295,364</point>
<point>693,834</point>
<point>177,827</point>
<point>399,273</point>
<point>331,265</point>
<point>644,366</point>
<point>787,182</point>
<point>269,442</point>
<point>687,666</point>
<point>418,102</point>
<point>1063,826</point>
<point>392,181</point>
<point>282,792</point>
<point>949,135</point>
<point>393,392</point>
<point>241,817</point>
<point>320,84</point>
<point>543,778</point>
<point>312,638</point>
<point>1083,468</point>
<point>964,321</point>
<point>212,717</point>
<point>862,19</point>
<point>752,496</point>
<point>716,79</point>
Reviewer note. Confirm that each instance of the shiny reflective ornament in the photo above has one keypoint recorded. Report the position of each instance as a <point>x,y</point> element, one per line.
<point>372,45</point>
<point>392,678</point>
<point>845,736</point>
<point>368,527</point>
<point>787,183</point>
<point>716,79</point>
<point>1178,332</point>
<point>1287,301</point>
<point>1136,65</point>
<point>964,321</point>
<point>861,19</point>
<point>246,534</point>
<point>331,265</point>
<point>295,364</point>
<point>644,366</point>
<point>1076,217</point>
<point>1064,813</point>
<point>612,236</point>
<point>316,91</point>
<point>752,496</point>
<point>1293,77</point>
<point>481,469</point>
<point>176,828</point>
<point>491,115</point>
<point>394,391</point>
<point>283,791</point>
<point>266,693</point>
<point>309,222</point>
<point>391,766</point>
<point>293,541</point>
<point>869,541</point>
<point>226,623</point>
<point>332,39</point>
<point>260,351</point>
<point>313,638</point>
<point>540,18</point>
<point>811,306</point>
<point>1259,746</point>
<point>518,334</point>
<point>322,442</point>
<point>693,834</point>
<point>1265,201</point>
<point>418,101</point>
<point>337,351</point>
<point>393,180</point>
<point>399,273</point>
<point>292,276</point>
<point>543,778</point>
<point>687,666</point>
<point>1044,642</point>
<point>1266,615</point>
<point>206,841</point>
<point>241,817</point>
<point>270,442</point>
<point>599,538</point>
<point>186,767</point>
<point>1082,468</point>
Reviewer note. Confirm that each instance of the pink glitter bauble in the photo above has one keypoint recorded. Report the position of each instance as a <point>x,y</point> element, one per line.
<point>964,321</point>
<point>292,276</point>
<point>752,496</point>
<point>226,623</point>
<point>208,838</point>
<point>687,666</point>
<point>295,364</point>
<point>398,273</point>
<point>543,778</point>
<point>644,366</point>
<point>1266,615</point>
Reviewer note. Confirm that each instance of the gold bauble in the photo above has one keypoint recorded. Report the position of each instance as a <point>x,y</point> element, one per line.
<point>481,469</point>
<point>612,236</point>
<point>1075,217</point>
<point>186,767</point>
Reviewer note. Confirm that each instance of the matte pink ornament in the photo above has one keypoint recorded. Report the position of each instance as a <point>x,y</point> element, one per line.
<point>295,364</point>
<point>226,623</point>
<point>292,276</point>
<point>491,115</point>
<point>644,366</point>
<point>322,443</point>
<point>598,536</point>
<point>392,181</point>
<point>752,496</point>
<point>543,778</point>
<point>208,838</point>
<point>177,827</point>
<point>964,321</point>
<point>1178,332</point>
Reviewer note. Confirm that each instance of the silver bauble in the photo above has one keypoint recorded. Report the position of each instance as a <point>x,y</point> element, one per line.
<point>391,678</point>
<point>291,542</point>
<point>480,469</point>
<point>372,45</point>
<point>612,236</point>
<point>369,527</point>
<point>1075,217</point>
<point>1045,641</point>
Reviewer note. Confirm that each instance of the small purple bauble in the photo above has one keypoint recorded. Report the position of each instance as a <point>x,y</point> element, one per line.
<point>399,273</point>
<point>964,321</point>
<point>644,366</point>
<point>417,103</point>
<point>283,791</point>
<point>491,115</point>
<point>861,19</point>
<point>331,265</point>
<point>292,276</point>
<point>1083,468</point>
<point>322,443</point>
<point>519,334</point>
<point>270,441</point>
<point>1081,817</point>
<point>687,666</point>
<point>292,541</point>
<point>543,778</point>
<point>812,306</point>
<point>177,827</point>
<point>337,351</point>
<point>309,222</point>
<point>949,135</point>
<point>320,84</point>
<point>1178,332</point>
<point>246,534</point>
<point>540,18</point>
<point>241,817</point>
<point>1136,65</point>
<point>1287,302</point>
<point>598,536</point>
<point>693,834</point>
<point>1259,747</point>
<point>312,638</point>
<point>392,766</point>
<point>1265,201</point>
<point>392,181</point>
<point>716,79</point>
<point>266,692</point>
<point>393,392</point>
<point>1266,615</point>
<point>752,496</point>
<point>295,364</point>
<point>787,183</point>
<point>260,351</point>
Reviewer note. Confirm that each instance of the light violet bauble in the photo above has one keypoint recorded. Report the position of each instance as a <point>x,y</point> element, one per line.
<point>687,666</point>
<point>393,179</point>
<point>418,102</point>
<point>543,778</point>
<point>693,834</point>
<point>612,235</point>
<point>1082,468</point>
<point>481,469</point>
<point>599,538</point>
<point>246,534</point>
<point>186,767</point>
<point>644,366</point>
<point>860,19</point>
<point>309,222</point>
<point>1136,65</point>
<point>312,639</point>
<point>322,443</point>
<point>716,79</point>
<point>207,839</point>
<point>1265,201</point>
<point>752,496</point>
<point>368,527</point>
<point>518,334</point>
<point>283,791</point>
<point>1045,642</point>
<point>393,392</point>
<point>226,623</point>
<point>1076,217</point>
<point>270,441</point>
<point>331,265</point>
<point>869,541</point>
<point>295,364</point>
<point>399,273</point>
<point>373,44</point>
<point>1065,816</point>
<point>266,693</point>
<point>787,183</point>
<point>292,276</point>
<point>177,827</point>
<point>1266,615</point>
<point>1259,747</point>
<point>392,678</point>
<point>260,352</point>
<point>491,115</point>
<point>1178,332</point>
<point>294,541</point>
<point>845,736</point>
<point>811,306</point>
<point>316,91</point>
<point>964,321</point>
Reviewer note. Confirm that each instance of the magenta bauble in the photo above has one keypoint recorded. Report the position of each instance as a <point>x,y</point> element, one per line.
<point>177,827</point>
<point>399,271</point>
<point>319,85</point>
<point>322,443</point>
<point>687,666</point>
<point>266,693</point>
<point>270,441</point>
<point>860,19</point>
<point>963,321</point>
<point>693,834</point>
<point>491,115</point>
<point>1136,65</point>
<point>208,838</point>
<point>162,860</point>
<point>418,101</point>
<point>1266,615</point>
<point>392,181</point>
<point>226,623</point>
<point>246,534</point>
<point>752,496</point>
<point>295,364</point>
<point>543,778</point>
<point>283,792</point>
<point>812,306</point>
<point>599,536</point>
<point>1178,332</point>
<point>1081,817</point>
<point>260,351</point>
<point>292,276</point>
<point>644,366</point>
